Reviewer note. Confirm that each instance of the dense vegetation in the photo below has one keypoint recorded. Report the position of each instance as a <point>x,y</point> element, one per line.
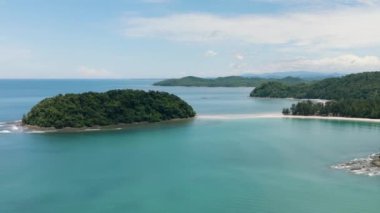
<point>355,95</point>
<point>230,81</point>
<point>108,108</point>
<point>355,86</point>
<point>345,108</point>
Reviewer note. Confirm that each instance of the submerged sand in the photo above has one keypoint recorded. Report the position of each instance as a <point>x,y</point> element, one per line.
<point>254,116</point>
<point>17,127</point>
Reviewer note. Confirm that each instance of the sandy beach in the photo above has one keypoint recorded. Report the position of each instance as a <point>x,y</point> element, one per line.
<point>253,116</point>
<point>16,126</point>
<point>36,129</point>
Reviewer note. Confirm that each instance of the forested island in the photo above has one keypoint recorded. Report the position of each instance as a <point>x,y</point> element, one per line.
<point>230,81</point>
<point>354,95</point>
<point>108,108</point>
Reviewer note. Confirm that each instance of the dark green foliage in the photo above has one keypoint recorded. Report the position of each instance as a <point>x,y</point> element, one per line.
<point>279,90</point>
<point>112,107</point>
<point>285,111</point>
<point>230,81</point>
<point>345,108</point>
<point>355,95</point>
<point>355,86</point>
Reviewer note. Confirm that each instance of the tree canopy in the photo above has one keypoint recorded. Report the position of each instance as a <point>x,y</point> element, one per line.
<point>343,108</point>
<point>354,86</point>
<point>108,108</point>
<point>230,81</point>
<point>355,95</point>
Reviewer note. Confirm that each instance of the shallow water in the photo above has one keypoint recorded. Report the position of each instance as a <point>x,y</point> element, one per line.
<point>202,165</point>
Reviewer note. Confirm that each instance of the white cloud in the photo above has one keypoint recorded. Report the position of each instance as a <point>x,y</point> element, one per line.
<point>239,56</point>
<point>210,53</point>
<point>369,2</point>
<point>237,66</point>
<point>321,3</point>
<point>345,28</point>
<point>88,72</point>
<point>342,63</point>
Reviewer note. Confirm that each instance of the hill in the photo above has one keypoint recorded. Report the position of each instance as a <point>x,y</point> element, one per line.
<point>230,81</point>
<point>307,75</point>
<point>109,108</point>
<point>354,86</point>
<point>355,95</point>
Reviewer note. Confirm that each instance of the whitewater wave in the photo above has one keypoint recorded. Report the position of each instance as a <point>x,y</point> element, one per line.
<point>11,127</point>
<point>361,166</point>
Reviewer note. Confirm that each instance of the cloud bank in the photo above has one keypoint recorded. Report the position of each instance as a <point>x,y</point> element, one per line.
<point>345,28</point>
<point>344,63</point>
<point>88,72</point>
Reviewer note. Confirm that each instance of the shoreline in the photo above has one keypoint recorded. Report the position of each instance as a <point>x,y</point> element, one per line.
<point>17,127</point>
<point>114,127</point>
<point>255,116</point>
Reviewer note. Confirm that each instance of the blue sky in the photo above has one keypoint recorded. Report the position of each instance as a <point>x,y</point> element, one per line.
<point>174,38</point>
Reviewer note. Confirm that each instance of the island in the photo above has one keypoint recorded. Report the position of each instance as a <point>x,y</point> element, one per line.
<point>229,81</point>
<point>113,107</point>
<point>354,95</point>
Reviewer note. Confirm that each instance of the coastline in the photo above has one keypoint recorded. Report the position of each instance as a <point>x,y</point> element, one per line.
<point>114,127</point>
<point>17,127</point>
<point>254,116</point>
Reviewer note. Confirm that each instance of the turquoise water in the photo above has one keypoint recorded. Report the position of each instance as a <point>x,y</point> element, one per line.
<point>252,165</point>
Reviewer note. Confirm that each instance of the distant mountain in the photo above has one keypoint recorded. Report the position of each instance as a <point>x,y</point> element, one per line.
<point>229,81</point>
<point>296,74</point>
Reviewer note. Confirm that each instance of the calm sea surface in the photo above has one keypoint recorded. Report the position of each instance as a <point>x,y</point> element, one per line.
<point>252,165</point>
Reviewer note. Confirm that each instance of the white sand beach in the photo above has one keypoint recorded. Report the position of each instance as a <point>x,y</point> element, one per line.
<point>254,116</point>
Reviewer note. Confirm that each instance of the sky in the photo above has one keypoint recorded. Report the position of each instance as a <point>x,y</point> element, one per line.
<point>175,38</point>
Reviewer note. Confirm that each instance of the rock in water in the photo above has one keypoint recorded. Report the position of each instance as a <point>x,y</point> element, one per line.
<point>365,166</point>
<point>376,160</point>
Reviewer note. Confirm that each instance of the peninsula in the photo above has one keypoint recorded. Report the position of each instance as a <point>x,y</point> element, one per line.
<point>355,95</point>
<point>229,81</point>
<point>107,108</point>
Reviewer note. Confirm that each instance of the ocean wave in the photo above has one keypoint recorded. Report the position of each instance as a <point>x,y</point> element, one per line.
<point>4,131</point>
<point>361,166</point>
<point>15,128</point>
<point>11,127</point>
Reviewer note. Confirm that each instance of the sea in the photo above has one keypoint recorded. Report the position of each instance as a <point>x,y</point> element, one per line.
<point>259,164</point>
